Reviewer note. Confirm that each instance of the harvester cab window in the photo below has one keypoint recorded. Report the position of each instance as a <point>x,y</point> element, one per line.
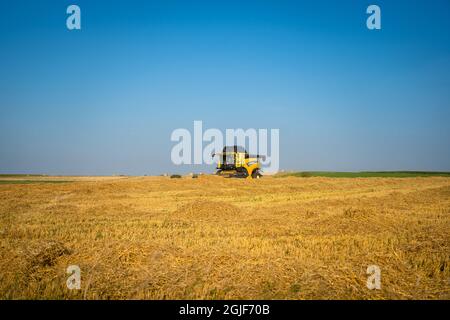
<point>228,158</point>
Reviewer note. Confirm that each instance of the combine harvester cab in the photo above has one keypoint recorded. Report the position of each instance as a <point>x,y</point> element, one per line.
<point>235,162</point>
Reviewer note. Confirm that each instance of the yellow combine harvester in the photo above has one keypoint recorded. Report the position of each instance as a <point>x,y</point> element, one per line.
<point>234,161</point>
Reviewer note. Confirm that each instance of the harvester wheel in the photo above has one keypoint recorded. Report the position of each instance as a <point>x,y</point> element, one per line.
<point>241,172</point>
<point>256,174</point>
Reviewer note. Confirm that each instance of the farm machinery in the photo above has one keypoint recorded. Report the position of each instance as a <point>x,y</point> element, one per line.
<point>235,162</point>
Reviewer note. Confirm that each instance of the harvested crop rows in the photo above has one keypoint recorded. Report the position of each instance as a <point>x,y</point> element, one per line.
<point>217,238</point>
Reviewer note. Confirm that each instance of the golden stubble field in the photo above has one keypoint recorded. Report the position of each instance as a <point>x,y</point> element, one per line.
<point>217,238</point>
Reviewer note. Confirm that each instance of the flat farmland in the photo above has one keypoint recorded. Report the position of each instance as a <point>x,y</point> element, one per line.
<point>218,238</point>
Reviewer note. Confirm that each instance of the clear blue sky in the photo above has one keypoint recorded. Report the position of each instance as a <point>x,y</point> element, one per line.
<point>105,99</point>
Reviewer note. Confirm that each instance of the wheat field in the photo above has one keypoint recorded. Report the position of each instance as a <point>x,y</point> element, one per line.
<point>218,238</point>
